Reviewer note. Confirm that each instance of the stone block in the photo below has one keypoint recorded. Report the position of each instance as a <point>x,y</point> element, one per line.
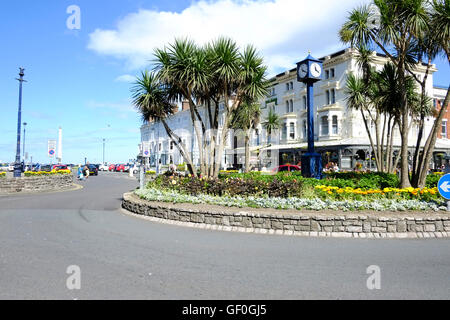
<point>354,229</point>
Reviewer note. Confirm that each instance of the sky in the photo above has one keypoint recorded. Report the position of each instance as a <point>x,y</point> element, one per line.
<point>80,79</point>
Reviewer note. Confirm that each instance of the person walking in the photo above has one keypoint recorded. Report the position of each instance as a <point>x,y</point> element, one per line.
<point>86,171</point>
<point>80,173</point>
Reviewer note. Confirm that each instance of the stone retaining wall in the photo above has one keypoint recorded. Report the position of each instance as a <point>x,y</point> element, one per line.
<point>35,184</point>
<point>339,225</point>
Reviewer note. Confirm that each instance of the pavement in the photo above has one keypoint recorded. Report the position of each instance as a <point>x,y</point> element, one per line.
<point>122,257</point>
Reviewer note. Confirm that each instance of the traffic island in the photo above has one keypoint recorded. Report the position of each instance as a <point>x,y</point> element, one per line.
<point>38,183</point>
<point>324,223</point>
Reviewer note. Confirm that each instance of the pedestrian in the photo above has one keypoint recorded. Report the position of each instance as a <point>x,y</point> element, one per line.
<point>86,172</point>
<point>80,172</point>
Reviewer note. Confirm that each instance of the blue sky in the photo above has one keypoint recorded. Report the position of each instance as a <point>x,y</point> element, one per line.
<point>79,79</point>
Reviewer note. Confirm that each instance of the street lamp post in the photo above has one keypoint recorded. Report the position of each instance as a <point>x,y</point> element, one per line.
<point>17,166</point>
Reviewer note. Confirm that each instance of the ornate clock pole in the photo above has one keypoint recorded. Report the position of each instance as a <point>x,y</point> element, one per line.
<point>309,71</point>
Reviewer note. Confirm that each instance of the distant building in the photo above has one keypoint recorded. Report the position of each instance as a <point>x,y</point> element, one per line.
<point>340,134</point>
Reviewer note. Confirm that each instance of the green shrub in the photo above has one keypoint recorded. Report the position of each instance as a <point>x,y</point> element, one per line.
<point>432,180</point>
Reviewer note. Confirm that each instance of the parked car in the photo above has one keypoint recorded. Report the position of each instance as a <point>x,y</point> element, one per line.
<point>112,167</point>
<point>120,168</point>
<point>93,170</point>
<point>287,167</point>
<point>46,168</point>
<point>103,167</point>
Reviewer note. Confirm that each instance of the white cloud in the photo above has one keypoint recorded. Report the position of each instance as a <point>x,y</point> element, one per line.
<point>125,78</point>
<point>283,30</point>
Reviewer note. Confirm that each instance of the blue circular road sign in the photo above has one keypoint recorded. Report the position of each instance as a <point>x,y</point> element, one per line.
<point>51,152</point>
<point>444,186</point>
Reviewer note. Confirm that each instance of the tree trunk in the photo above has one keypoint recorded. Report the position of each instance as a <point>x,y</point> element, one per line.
<point>247,150</point>
<point>370,135</point>
<point>431,141</point>
<point>181,147</point>
<point>404,173</point>
<point>222,140</point>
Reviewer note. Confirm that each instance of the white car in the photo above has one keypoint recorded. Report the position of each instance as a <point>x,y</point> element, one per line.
<point>103,167</point>
<point>7,167</point>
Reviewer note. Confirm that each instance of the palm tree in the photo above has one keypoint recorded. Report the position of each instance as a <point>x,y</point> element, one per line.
<point>247,118</point>
<point>241,77</point>
<point>440,37</point>
<point>152,99</point>
<point>205,75</point>
<point>184,67</point>
<point>391,24</point>
<point>272,123</point>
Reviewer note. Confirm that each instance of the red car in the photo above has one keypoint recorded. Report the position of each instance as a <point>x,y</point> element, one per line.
<point>112,167</point>
<point>120,168</point>
<point>287,167</point>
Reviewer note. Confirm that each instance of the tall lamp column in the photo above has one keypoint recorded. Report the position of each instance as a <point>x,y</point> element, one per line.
<point>17,165</point>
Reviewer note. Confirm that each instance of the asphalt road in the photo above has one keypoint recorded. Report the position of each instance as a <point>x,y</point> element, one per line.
<point>122,257</point>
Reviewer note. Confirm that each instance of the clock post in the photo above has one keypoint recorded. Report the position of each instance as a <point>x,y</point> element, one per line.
<point>309,71</point>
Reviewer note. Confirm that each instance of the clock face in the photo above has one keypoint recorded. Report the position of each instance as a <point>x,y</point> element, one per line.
<point>303,70</point>
<point>315,70</point>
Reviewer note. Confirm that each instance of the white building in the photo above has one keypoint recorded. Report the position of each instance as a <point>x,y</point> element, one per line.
<point>340,134</point>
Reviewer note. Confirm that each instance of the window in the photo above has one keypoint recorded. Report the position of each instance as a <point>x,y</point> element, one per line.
<point>292,86</point>
<point>327,74</point>
<point>333,96</point>
<point>160,147</point>
<point>289,106</point>
<point>284,131</point>
<point>171,145</point>
<point>292,131</point>
<point>328,97</point>
<point>444,129</point>
<point>304,102</point>
<point>335,125</point>
<point>332,73</point>
<point>287,86</point>
<point>305,134</point>
<point>324,126</point>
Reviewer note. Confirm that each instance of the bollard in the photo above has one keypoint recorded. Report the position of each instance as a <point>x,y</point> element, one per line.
<point>141,177</point>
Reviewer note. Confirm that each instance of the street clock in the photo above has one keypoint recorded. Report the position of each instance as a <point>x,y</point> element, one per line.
<point>309,70</point>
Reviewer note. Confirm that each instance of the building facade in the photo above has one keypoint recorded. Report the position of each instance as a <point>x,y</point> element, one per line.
<point>339,132</point>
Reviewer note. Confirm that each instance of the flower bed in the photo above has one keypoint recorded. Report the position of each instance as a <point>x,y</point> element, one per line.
<point>173,196</point>
<point>426,194</point>
<point>46,173</point>
<point>2,174</point>
<point>355,191</point>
